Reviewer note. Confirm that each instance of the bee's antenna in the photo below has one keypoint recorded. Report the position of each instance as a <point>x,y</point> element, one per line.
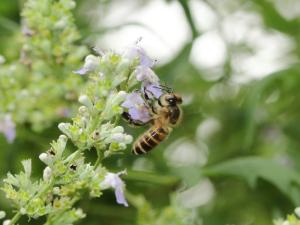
<point>138,40</point>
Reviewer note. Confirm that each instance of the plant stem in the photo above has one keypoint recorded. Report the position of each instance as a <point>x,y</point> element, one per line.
<point>184,4</point>
<point>16,217</point>
<point>99,158</point>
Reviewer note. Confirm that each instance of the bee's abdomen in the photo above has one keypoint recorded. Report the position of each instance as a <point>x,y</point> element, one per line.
<point>149,140</point>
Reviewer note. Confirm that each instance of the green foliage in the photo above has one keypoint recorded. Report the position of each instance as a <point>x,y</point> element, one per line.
<point>172,214</point>
<point>230,129</point>
<point>286,180</point>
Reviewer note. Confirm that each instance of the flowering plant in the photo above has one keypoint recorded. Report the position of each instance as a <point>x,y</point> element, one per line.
<point>110,84</point>
<point>95,127</point>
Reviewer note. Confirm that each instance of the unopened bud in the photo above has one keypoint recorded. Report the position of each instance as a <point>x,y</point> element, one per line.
<point>45,158</point>
<point>64,127</point>
<point>84,99</point>
<point>118,137</point>
<point>128,139</point>
<point>118,129</point>
<point>2,215</point>
<point>47,173</point>
<point>297,212</point>
<point>6,222</point>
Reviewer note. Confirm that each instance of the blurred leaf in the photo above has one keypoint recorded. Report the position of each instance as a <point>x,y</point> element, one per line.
<point>252,168</point>
<point>273,19</point>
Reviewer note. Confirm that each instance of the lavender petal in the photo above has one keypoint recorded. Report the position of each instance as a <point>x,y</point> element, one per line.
<point>81,71</point>
<point>119,193</point>
<point>154,90</point>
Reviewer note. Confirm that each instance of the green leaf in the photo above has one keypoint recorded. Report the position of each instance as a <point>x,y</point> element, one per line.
<point>286,179</point>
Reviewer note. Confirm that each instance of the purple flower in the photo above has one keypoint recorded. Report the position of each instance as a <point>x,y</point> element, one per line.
<point>81,71</point>
<point>8,128</point>
<point>143,72</point>
<point>146,74</point>
<point>152,90</point>
<point>136,107</point>
<point>138,52</point>
<point>113,180</point>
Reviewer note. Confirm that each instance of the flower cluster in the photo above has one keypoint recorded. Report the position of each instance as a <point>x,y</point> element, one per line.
<point>95,127</point>
<point>150,86</point>
<point>43,70</point>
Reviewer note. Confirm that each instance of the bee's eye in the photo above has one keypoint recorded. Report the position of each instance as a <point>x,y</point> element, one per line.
<point>171,100</point>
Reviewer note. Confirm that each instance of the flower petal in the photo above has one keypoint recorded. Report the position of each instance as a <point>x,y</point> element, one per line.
<point>8,128</point>
<point>81,71</point>
<point>146,74</point>
<point>132,100</point>
<point>120,197</point>
<point>153,89</point>
<point>113,180</point>
<point>138,52</point>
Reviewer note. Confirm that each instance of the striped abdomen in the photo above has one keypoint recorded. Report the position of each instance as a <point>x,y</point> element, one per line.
<point>149,140</point>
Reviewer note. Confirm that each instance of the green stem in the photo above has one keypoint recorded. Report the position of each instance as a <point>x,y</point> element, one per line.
<point>185,6</point>
<point>152,178</point>
<point>16,217</point>
<point>99,158</point>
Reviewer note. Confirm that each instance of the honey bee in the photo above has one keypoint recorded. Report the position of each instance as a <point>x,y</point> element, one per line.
<point>165,114</point>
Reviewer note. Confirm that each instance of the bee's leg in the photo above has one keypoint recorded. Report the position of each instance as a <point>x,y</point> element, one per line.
<point>126,116</point>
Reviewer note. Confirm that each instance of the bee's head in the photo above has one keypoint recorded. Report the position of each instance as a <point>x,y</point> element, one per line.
<point>170,99</point>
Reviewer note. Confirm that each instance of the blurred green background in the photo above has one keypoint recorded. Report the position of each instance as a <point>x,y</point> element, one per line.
<point>235,158</point>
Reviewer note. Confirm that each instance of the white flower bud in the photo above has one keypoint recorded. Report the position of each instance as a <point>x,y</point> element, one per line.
<point>297,212</point>
<point>56,190</point>
<point>45,158</point>
<point>117,129</point>
<point>118,137</point>
<point>79,213</point>
<point>128,139</point>
<point>2,59</point>
<point>119,97</point>
<point>23,211</point>
<point>64,127</point>
<point>286,223</point>
<point>63,139</point>
<point>91,62</point>
<point>47,173</point>
<point>122,146</point>
<point>84,99</point>
<point>61,144</point>
<point>6,222</point>
<point>2,215</point>
<point>122,94</point>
